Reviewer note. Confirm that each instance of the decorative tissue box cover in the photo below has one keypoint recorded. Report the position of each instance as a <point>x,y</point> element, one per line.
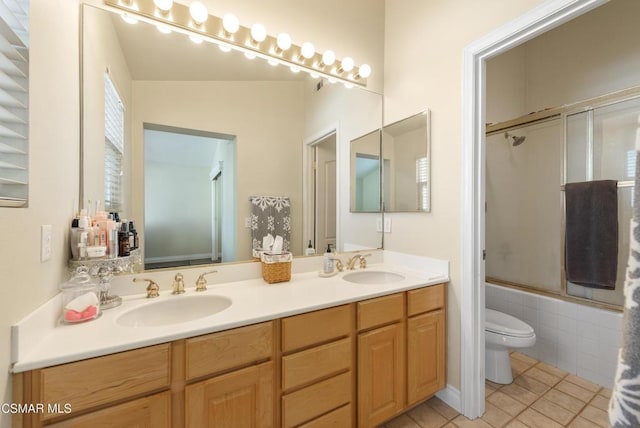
<point>276,267</point>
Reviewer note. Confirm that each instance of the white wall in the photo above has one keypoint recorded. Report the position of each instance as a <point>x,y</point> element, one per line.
<point>423,69</point>
<point>53,174</point>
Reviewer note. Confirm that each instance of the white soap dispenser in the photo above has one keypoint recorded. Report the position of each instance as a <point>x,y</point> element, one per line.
<point>327,261</point>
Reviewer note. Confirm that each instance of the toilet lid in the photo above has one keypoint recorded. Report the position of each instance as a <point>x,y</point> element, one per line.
<point>501,323</point>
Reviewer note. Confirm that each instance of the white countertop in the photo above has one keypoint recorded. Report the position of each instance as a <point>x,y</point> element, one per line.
<point>38,345</point>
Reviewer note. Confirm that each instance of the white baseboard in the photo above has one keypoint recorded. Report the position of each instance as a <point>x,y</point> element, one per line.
<point>451,396</point>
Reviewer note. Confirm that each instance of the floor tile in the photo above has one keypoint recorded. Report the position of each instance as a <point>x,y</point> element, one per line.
<point>489,389</point>
<point>553,411</point>
<point>552,370</point>
<point>441,407</point>
<point>494,416</point>
<point>519,393</point>
<point>506,403</point>
<point>543,376</point>
<point>427,417</point>
<point>581,422</point>
<point>589,386</point>
<point>449,425</point>
<point>519,366</point>
<point>600,402</point>
<point>402,421</point>
<point>569,402</point>
<point>574,390</point>
<point>462,422</point>
<point>595,415</point>
<point>605,392</point>
<point>515,424</point>
<point>523,357</point>
<point>534,419</point>
<point>530,384</point>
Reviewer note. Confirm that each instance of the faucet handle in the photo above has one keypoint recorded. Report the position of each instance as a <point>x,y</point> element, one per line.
<point>363,261</point>
<point>178,284</point>
<point>339,264</point>
<point>201,282</point>
<point>153,290</point>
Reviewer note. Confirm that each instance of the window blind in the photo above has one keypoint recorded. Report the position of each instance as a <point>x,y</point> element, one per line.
<point>14,96</point>
<point>422,183</point>
<point>114,146</point>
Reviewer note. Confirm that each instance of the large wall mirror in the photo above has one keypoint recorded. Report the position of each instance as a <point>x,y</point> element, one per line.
<point>365,173</point>
<point>203,131</point>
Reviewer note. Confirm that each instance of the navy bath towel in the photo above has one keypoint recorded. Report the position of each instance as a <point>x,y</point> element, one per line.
<point>591,235</point>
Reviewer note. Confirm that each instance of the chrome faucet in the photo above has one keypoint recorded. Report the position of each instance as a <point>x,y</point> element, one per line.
<point>201,282</point>
<point>153,290</point>
<point>178,284</point>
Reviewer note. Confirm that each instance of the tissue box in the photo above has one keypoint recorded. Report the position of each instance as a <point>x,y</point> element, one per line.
<point>276,267</point>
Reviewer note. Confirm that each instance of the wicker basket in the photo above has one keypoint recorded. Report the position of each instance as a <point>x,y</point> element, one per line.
<point>276,267</point>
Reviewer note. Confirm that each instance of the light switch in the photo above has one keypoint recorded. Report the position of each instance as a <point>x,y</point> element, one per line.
<point>379,225</point>
<point>45,242</point>
<point>387,225</point>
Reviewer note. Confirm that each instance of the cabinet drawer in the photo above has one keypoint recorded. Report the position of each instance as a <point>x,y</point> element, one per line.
<point>152,411</point>
<point>380,311</point>
<point>217,352</point>
<point>308,403</point>
<point>316,363</point>
<point>309,329</point>
<point>425,299</point>
<point>338,418</point>
<point>99,381</point>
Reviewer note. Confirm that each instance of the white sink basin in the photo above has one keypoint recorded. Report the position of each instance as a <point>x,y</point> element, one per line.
<point>173,310</point>
<point>373,277</point>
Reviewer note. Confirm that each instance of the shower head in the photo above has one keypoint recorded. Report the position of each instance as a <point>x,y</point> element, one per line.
<point>516,140</point>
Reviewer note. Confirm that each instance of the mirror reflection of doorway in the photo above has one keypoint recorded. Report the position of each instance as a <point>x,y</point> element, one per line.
<point>324,179</point>
<point>185,196</point>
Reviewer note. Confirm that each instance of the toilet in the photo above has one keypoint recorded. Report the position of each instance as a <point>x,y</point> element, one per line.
<point>501,333</point>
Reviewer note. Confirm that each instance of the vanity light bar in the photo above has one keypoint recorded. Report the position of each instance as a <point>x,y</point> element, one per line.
<point>212,30</point>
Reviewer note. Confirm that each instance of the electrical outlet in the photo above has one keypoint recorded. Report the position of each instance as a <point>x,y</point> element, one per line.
<point>387,225</point>
<point>45,242</point>
<point>378,225</point>
<point>247,222</point>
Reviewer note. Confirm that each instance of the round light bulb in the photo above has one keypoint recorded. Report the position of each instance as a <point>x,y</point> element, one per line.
<point>328,58</point>
<point>224,48</point>
<point>347,64</point>
<point>348,85</point>
<point>198,12</point>
<point>195,39</point>
<point>283,41</point>
<point>163,5</point>
<point>332,80</point>
<point>249,55</point>
<point>314,75</point>
<point>307,50</point>
<point>272,62</point>
<point>230,23</point>
<point>258,32</point>
<point>364,71</point>
<point>295,69</point>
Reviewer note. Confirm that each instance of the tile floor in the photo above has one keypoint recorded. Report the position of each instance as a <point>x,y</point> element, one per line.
<point>541,396</point>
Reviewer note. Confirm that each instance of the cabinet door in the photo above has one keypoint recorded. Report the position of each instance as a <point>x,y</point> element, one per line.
<point>381,386</point>
<point>243,398</point>
<point>425,355</point>
<point>152,412</point>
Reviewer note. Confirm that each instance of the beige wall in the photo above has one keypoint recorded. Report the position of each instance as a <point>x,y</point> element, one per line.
<point>423,69</point>
<point>53,174</point>
<point>268,138</point>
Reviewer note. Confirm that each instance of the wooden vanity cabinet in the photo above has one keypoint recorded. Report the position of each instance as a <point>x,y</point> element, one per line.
<point>426,344</point>
<point>381,359</point>
<point>317,378</point>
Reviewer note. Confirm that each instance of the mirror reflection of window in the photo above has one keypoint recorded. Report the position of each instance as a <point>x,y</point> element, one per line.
<point>422,183</point>
<point>113,146</point>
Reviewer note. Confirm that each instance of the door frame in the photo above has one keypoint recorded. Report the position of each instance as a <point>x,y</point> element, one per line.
<point>539,20</point>
<point>308,192</point>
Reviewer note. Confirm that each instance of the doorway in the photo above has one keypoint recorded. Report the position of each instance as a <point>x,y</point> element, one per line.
<point>472,301</point>
<point>323,179</point>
